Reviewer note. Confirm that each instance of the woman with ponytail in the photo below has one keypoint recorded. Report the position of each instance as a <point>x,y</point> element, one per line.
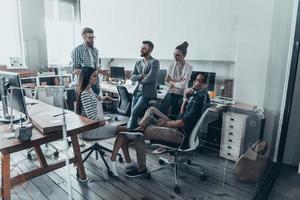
<point>177,78</point>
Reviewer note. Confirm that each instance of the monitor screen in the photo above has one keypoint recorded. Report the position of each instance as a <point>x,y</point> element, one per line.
<point>161,76</point>
<point>117,72</point>
<point>210,79</point>
<point>18,101</point>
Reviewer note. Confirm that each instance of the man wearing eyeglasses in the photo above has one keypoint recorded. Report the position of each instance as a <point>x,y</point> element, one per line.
<point>86,55</point>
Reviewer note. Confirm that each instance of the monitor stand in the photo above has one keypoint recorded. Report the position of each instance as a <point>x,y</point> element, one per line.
<point>16,118</point>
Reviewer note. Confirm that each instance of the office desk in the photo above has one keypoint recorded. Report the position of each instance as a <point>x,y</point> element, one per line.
<point>75,125</point>
<point>112,88</point>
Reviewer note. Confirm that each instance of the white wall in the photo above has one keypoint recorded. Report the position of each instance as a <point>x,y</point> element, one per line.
<point>242,29</point>
<point>120,26</point>
<point>34,34</point>
<point>252,52</point>
<point>9,34</point>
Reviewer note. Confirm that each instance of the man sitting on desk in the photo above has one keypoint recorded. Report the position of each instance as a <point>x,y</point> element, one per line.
<point>156,125</point>
<point>145,72</point>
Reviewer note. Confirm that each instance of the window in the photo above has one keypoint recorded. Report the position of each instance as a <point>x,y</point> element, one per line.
<point>10,37</point>
<point>60,31</point>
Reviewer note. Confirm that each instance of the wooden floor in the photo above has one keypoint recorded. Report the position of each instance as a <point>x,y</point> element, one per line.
<point>54,185</point>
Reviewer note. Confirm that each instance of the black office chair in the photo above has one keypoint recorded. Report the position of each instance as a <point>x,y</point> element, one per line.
<point>124,107</point>
<point>99,150</point>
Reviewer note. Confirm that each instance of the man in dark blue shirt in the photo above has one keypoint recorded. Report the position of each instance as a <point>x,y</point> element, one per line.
<point>155,125</point>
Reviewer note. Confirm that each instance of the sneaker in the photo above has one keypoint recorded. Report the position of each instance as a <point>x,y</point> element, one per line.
<point>159,150</point>
<point>136,173</point>
<point>133,134</point>
<point>132,165</point>
<point>113,167</point>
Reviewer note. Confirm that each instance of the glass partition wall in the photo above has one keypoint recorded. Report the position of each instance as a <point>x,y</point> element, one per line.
<point>245,53</point>
<point>248,53</point>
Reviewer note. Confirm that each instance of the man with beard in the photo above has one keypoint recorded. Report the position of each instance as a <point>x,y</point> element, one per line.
<point>145,73</point>
<point>86,55</point>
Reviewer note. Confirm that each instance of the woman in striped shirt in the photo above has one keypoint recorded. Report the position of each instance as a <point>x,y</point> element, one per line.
<point>88,104</point>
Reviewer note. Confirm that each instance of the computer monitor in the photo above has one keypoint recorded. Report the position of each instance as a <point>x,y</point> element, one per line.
<point>210,79</point>
<point>117,72</point>
<point>161,76</point>
<point>18,102</point>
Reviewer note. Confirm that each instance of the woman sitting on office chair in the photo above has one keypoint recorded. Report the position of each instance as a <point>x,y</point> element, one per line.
<point>89,105</point>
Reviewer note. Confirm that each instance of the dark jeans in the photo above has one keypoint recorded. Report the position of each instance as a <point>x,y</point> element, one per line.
<point>171,100</point>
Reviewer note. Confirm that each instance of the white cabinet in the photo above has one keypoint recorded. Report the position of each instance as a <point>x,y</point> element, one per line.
<point>233,132</point>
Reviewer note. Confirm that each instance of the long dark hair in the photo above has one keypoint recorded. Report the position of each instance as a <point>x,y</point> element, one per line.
<point>84,80</point>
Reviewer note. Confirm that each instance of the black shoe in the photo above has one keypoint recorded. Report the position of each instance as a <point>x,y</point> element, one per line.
<point>136,173</point>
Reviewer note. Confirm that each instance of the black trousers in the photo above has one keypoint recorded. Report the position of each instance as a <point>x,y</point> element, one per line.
<point>171,100</point>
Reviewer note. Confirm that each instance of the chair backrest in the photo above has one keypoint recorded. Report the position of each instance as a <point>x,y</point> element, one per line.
<point>44,95</point>
<point>50,95</point>
<point>124,106</point>
<point>193,141</point>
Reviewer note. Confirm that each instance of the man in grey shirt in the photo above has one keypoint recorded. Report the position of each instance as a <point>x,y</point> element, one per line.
<point>145,73</point>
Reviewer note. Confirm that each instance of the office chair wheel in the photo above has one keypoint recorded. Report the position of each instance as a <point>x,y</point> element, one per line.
<point>110,173</point>
<point>29,156</point>
<point>203,177</point>
<point>69,143</point>
<point>120,159</point>
<point>177,189</point>
<point>56,154</point>
<point>161,162</point>
<point>148,176</point>
<point>189,162</point>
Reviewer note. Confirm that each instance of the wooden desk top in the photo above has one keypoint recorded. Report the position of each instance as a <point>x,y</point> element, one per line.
<point>75,124</point>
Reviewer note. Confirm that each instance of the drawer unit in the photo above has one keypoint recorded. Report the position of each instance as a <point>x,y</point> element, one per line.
<point>233,132</point>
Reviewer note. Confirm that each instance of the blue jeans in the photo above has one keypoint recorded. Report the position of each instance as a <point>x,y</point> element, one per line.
<point>139,105</point>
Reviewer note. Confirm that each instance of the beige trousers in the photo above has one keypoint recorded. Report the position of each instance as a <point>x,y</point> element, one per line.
<point>152,131</point>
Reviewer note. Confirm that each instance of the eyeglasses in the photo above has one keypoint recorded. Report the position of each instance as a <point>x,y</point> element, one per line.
<point>91,38</point>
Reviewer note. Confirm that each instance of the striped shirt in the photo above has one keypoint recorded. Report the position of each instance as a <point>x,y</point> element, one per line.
<point>89,104</point>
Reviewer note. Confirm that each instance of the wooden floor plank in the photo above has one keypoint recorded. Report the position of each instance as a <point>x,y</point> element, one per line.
<point>49,188</point>
<point>103,188</point>
<point>79,191</point>
<point>30,188</point>
<point>54,184</point>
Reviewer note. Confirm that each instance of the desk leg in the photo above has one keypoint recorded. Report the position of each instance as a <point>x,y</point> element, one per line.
<point>78,158</point>
<point>5,190</point>
<point>40,156</point>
